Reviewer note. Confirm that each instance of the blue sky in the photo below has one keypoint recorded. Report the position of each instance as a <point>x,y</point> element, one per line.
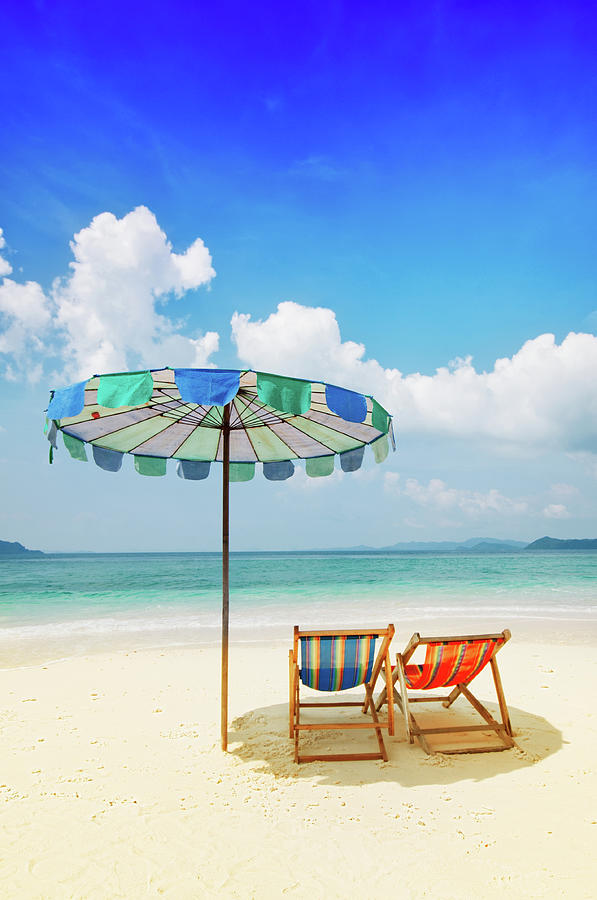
<point>426,175</point>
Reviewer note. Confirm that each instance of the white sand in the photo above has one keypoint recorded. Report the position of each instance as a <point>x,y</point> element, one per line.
<point>113,785</point>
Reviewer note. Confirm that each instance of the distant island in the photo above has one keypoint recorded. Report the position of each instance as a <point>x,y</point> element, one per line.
<point>480,545</point>
<point>549,543</point>
<point>13,548</point>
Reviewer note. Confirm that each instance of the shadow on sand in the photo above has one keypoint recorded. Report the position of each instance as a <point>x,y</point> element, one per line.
<point>260,737</point>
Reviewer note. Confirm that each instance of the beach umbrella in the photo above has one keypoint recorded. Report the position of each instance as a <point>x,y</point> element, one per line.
<point>197,417</point>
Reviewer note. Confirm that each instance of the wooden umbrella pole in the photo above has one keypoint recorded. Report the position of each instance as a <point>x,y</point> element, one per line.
<point>225,591</point>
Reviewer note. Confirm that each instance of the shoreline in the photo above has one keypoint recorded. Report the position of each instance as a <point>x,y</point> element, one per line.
<point>114,785</point>
<point>38,649</point>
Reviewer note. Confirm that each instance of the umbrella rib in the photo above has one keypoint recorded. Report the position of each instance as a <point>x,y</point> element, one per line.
<point>306,433</point>
<point>117,410</point>
<point>285,442</point>
<point>174,405</point>
<point>294,454</point>
<point>160,433</point>
<point>253,420</point>
<point>190,409</point>
<point>184,439</point>
<point>153,415</point>
<point>337,430</point>
<point>290,424</point>
<point>254,407</point>
<point>208,416</point>
<point>245,430</point>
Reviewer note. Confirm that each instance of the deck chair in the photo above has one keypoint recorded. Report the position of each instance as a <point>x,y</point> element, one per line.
<point>450,662</point>
<point>333,661</point>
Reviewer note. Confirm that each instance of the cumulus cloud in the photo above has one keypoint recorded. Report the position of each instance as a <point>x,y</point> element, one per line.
<point>106,307</point>
<point>103,316</point>
<point>437,495</point>
<point>544,396</point>
<point>305,341</point>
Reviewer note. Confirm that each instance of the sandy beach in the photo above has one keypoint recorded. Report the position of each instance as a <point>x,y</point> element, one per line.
<point>113,785</point>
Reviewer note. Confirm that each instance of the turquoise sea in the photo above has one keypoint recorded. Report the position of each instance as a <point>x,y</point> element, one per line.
<point>59,605</point>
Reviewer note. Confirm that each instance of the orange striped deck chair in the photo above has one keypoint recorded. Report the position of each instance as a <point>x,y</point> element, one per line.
<point>450,662</point>
<point>336,661</point>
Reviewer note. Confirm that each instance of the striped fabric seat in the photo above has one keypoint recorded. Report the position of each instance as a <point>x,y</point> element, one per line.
<point>448,663</point>
<point>331,661</point>
<point>337,663</point>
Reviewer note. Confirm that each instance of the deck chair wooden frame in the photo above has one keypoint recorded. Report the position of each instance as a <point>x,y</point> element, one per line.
<point>296,705</point>
<point>406,677</point>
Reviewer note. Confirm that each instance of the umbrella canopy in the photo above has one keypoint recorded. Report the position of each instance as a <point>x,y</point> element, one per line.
<point>201,416</point>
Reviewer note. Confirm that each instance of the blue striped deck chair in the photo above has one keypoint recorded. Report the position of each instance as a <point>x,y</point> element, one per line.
<point>450,662</point>
<point>335,661</point>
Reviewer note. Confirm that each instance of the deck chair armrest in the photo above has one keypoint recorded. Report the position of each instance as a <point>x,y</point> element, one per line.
<point>381,655</point>
<point>410,647</point>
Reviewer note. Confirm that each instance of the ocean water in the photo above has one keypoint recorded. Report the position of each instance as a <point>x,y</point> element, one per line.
<point>60,605</point>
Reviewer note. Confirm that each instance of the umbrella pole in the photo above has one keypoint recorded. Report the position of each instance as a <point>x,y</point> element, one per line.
<point>225,591</point>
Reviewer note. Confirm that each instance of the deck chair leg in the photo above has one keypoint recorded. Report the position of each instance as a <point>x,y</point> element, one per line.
<point>388,674</point>
<point>366,701</point>
<point>500,695</point>
<point>291,695</point>
<point>381,699</point>
<point>453,696</point>
<point>403,700</point>
<point>500,730</point>
<point>297,708</point>
<point>380,740</point>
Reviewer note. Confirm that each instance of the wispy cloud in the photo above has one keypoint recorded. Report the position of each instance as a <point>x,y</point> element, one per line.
<point>437,495</point>
<point>556,511</point>
<point>318,166</point>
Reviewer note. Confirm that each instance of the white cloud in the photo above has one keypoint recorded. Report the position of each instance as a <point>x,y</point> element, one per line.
<point>106,307</point>
<point>543,397</point>
<point>437,495</point>
<point>5,266</point>
<point>25,319</point>
<point>103,315</point>
<point>564,490</point>
<point>556,511</point>
<point>305,341</point>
